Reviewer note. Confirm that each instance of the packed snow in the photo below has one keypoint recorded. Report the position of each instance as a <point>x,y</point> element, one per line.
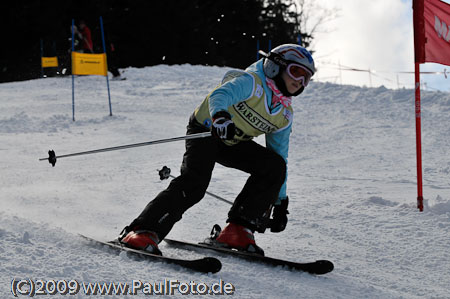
<point>352,186</point>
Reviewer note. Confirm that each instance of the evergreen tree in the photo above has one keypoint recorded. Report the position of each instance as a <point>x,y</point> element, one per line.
<point>223,33</point>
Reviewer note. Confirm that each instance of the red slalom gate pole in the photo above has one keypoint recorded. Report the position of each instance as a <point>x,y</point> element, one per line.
<point>418,139</point>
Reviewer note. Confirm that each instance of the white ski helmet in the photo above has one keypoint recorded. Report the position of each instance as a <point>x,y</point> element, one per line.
<point>284,55</point>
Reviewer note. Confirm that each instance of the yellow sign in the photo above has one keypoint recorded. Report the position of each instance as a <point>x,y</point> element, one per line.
<point>89,64</point>
<point>49,61</point>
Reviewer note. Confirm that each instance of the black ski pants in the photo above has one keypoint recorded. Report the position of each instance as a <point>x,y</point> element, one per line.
<point>251,207</point>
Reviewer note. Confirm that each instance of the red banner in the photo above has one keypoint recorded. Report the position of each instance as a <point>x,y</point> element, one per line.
<point>431,31</point>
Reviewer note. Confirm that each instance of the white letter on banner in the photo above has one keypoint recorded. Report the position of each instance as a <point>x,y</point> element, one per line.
<point>441,29</point>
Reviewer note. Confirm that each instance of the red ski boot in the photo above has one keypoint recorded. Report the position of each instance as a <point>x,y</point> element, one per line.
<point>142,240</point>
<point>238,237</point>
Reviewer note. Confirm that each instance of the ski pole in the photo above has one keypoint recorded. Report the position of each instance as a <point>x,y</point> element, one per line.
<point>164,173</point>
<point>52,156</point>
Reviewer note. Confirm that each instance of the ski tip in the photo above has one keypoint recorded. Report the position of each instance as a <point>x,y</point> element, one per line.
<point>214,264</point>
<point>323,267</point>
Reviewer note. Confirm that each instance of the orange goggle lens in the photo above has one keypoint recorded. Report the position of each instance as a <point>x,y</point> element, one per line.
<point>299,73</point>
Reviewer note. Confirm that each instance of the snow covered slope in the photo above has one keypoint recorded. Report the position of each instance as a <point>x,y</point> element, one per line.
<point>352,185</point>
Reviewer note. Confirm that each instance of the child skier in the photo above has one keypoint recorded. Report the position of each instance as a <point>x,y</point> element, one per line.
<point>246,104</point>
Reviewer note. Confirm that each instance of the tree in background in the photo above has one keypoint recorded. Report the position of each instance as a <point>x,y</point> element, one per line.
<point>145,33</point>
<point>311,17</point>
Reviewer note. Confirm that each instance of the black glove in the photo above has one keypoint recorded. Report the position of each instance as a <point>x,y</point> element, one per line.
<point>279,216</point>
<point>223,127</point>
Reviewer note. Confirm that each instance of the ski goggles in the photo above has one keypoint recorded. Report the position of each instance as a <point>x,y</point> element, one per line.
<point>299,73</point>
<point>296,71</point>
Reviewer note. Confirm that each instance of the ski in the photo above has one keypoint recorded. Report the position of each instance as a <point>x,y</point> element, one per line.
<point>318,267</point>
<point>204,265</point>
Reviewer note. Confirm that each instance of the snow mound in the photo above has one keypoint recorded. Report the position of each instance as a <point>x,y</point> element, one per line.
<point>381,201</point>
<point>439,206</point>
